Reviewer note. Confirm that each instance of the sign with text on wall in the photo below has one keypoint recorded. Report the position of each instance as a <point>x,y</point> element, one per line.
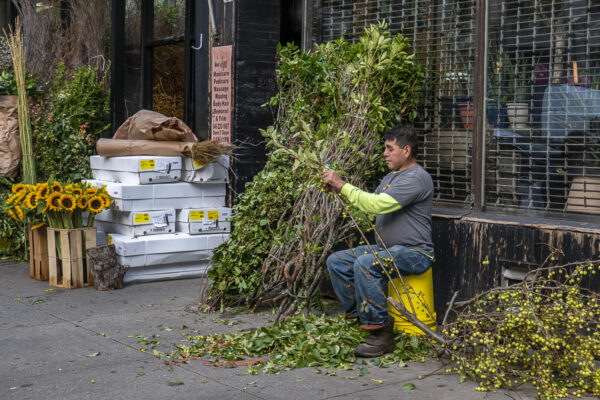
<point>221,94</point>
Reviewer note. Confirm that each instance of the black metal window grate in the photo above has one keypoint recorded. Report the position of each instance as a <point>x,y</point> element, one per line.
<point>543,106</point>
<point>542,100</point>
<point>443,37</point>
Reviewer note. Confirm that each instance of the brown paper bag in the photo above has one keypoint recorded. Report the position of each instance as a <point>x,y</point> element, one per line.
<point>120,148</point>
<point>10,143</point>
<point>151,125</point>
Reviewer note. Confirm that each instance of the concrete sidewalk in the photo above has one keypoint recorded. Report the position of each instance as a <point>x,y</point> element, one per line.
<point>80,344</point>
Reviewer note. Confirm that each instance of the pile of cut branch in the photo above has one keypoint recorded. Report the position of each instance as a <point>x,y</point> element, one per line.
<point>332,107</point>
<point>543,331</point>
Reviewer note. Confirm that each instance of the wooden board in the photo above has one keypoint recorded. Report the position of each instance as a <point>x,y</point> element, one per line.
<point>67,269</point>
<point>38,253</point>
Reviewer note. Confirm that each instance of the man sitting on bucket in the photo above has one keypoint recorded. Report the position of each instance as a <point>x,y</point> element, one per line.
<point>402,203</point>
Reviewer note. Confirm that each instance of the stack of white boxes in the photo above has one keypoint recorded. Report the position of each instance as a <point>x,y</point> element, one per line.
<point>162,228</point>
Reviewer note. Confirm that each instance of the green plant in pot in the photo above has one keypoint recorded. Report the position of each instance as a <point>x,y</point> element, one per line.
<point>516,94</point>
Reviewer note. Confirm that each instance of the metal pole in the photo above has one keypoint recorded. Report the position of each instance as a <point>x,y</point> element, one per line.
<point>307,17</point>
<point>117,48</point>
<point>478,155</point>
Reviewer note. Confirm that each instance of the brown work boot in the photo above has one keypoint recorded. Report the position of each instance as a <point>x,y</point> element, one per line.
<point>379,342</point>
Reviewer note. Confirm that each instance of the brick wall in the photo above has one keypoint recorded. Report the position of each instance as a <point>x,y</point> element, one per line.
<point>257,30</point>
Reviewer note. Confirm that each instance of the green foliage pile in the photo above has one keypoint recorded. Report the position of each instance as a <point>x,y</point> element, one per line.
<point>297,342</point>
<point>543,332</point>
<point>68,123</point>
<point>333,104</point>
<point>258,223</point>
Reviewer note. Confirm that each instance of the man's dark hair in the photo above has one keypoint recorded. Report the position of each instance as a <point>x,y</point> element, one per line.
<point>404,135</point>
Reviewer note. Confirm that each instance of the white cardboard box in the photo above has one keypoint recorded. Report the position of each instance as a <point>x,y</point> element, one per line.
<point>203,220</point>
<point>164,196</point>
<point>168,248</point>
<point>136,169</point>
<point>193,269</point>
<point>195,172</point>
<point>136,223</point>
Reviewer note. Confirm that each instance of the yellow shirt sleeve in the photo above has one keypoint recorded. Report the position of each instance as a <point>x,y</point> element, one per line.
<point>370,203</point>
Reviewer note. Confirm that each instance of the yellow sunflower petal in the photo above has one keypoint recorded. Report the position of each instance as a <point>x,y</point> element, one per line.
<point>82,202</point>
<point>54,201</point>
<point>42,191</point>
<point>18,187</point>
<point>67,202</point>
<point>56,187</point>
<point>96,204</point>
<point>31,200</point>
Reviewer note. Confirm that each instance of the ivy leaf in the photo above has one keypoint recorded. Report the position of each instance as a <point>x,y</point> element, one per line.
<point>409,386</point>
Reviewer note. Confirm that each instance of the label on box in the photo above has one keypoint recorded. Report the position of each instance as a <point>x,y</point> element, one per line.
<point>108,239</point>
<point>147,164</point>
<point>196,215</point>
<point>213,215</point>
<point>160,220</point>
<point>197,164</point>
<point>211,224</point>
<point>143,218</point>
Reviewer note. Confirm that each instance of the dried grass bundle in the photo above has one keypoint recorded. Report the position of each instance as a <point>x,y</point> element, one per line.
<point>209,151</point>
<point>17,52</point>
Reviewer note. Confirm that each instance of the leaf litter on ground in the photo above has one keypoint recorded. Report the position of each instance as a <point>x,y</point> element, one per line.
<point>295,342</point>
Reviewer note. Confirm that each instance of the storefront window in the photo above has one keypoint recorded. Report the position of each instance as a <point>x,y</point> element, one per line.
<point>543,106</point>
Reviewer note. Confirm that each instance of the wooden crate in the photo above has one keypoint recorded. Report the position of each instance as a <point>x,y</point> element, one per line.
<point>38,253</point>
<point>67,269</point>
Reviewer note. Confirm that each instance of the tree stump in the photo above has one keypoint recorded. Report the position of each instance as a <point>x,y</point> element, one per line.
<point>107,273</point>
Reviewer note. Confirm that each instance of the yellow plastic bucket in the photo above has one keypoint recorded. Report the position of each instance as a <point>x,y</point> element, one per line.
<point>420,290</point>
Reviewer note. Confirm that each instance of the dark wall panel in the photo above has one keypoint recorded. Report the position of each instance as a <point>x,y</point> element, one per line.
<point>471,252</point>
<point>257,30</point>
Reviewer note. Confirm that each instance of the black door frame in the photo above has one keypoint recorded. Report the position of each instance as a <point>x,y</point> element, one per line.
<point>196,58</point>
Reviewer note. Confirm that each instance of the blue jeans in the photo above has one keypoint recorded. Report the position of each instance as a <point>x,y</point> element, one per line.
<point>360,283</point>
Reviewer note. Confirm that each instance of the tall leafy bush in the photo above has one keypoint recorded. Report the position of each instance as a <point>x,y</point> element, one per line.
<point>333,104</point>
<point>69,122</point>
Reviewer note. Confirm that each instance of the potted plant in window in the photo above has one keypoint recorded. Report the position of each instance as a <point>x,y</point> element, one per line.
<point>516,93</point>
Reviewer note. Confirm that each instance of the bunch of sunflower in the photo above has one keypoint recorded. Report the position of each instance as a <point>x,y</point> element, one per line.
<point>59,205</point>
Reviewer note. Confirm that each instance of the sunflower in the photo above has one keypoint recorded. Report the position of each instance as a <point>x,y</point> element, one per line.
<point>56,187</point>
<point>18,197</point>
<point>82,202</point>
<point>31,188</point>
<point>31,200</point>
<point>106,198</point>
<point>77,192</point>
<point>42,192</point>
<point>19,212</point>
<point>68,188</point>
<point>91,191</point>
<point>96,204</point>
<point>11,213</point>
<point>38,225</point>
<point>54,201</point>
<point>18,187</point>
<point>67,202</point>
<point>11,199</point>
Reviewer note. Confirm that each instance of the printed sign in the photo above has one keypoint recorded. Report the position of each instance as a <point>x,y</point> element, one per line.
<point>221,84</point>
